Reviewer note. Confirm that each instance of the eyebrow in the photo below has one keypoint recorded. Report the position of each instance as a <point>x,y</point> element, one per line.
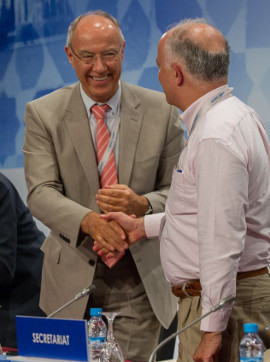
<point>84,51</point>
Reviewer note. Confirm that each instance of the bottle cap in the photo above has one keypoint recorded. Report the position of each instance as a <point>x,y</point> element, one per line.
<point>251,328</point>
<point>95,311</point>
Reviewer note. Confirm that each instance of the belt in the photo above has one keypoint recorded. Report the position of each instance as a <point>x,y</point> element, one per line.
<point>193,288</point>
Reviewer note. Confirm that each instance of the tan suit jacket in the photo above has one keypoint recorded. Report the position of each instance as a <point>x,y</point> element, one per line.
<point>62,179</point>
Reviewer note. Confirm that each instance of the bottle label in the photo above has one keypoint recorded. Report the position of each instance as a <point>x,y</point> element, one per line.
<point>95,346</point>
<point>251,359</point>
<point>96,339</point>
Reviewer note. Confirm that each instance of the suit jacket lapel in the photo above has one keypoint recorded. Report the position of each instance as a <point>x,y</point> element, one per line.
<point>79,129</point>
<point>130,125</point>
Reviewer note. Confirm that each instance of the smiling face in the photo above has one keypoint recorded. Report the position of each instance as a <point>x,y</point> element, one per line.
<point>95,36</point>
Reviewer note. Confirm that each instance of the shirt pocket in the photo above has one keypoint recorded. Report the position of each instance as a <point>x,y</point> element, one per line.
<point>182,197</point>
<point>176,198</point>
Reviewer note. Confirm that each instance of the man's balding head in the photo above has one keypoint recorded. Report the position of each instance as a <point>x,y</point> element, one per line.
<point>201,48</point>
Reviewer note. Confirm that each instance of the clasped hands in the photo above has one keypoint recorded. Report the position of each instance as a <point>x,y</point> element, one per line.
<point>114,231</point>
<point>128,230</point>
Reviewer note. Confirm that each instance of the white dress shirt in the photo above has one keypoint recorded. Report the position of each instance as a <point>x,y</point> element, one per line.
<point>112,114</point>
<point>217,217</point>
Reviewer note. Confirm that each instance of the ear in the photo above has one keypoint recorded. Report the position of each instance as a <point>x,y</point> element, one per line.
<point>122,50</point>
<point>69,55</point>
<point>178,74</point>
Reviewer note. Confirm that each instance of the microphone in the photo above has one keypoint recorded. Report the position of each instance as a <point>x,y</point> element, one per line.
<point>220,305</point>
<point>83,293</point>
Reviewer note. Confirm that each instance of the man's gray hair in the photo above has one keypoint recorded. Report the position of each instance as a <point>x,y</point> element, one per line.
<point>102,13</point>
<point>201,63</point>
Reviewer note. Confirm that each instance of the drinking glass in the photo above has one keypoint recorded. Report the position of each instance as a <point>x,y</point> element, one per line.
<point>111,351</point>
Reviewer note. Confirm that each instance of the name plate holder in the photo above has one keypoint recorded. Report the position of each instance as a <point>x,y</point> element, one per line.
<point>52,338</point>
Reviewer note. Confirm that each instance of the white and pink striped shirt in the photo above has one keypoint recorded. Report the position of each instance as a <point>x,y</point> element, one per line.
<point>217,217</point>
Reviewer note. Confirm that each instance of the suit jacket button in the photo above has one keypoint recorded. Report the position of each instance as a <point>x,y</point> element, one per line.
<point>92,262</point>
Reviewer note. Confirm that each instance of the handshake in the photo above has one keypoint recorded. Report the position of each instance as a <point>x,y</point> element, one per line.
<point>120,225</point>
<point>128,230</point>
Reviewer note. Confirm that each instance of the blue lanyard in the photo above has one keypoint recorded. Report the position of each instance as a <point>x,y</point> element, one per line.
<point>206,106</point>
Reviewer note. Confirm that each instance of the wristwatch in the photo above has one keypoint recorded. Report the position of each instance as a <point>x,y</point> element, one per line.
<point>150,209</point>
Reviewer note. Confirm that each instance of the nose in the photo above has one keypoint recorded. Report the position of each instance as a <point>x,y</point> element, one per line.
<point>99,65</point>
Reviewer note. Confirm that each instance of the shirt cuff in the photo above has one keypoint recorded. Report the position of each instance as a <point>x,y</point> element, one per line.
<point>216,322</point>
<point>152,225</point>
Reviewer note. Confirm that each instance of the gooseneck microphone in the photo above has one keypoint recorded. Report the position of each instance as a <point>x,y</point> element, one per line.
<point>83,293</point>
<point>220,305</point>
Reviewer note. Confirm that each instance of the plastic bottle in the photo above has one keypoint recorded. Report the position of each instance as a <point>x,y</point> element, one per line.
<point>96,333</point>
<point>251,347</point>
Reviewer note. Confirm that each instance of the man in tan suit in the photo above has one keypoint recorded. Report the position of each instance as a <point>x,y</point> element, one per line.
<point>65,194</point>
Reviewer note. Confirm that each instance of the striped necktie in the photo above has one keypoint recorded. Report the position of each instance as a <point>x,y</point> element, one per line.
<point>108,175</point>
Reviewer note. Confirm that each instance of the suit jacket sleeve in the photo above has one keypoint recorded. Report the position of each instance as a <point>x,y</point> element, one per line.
<point>8,235</point>
<point>49,180</point>
<point>20,240</point>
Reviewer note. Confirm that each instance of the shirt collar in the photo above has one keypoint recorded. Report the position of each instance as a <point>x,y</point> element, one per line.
<point>114,102</point>
<point>190,113</point>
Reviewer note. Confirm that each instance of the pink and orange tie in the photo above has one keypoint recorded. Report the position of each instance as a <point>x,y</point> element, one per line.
<point>108,175</point>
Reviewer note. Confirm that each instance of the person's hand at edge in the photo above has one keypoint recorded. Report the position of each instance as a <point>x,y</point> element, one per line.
<point>209,347</point>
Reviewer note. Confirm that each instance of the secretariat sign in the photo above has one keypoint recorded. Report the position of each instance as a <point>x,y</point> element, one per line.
<point>52,338</point>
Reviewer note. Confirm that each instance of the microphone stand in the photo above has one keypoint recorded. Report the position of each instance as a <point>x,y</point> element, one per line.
<point>83,293</point>
<point>220,305</point>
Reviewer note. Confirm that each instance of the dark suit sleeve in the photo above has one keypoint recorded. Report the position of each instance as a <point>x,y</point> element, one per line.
<point>8,235</point>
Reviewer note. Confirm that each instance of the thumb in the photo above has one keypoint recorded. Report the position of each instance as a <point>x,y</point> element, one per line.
<point>111,216</point>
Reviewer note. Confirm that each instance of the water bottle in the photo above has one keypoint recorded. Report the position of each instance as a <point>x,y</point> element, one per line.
<point>251,347</point>
<point>96,333</point>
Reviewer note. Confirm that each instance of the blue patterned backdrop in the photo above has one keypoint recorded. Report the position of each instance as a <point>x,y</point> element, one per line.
<point>33,61</point>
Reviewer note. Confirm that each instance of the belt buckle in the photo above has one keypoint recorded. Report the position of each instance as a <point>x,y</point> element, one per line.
<point>184,290</point>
